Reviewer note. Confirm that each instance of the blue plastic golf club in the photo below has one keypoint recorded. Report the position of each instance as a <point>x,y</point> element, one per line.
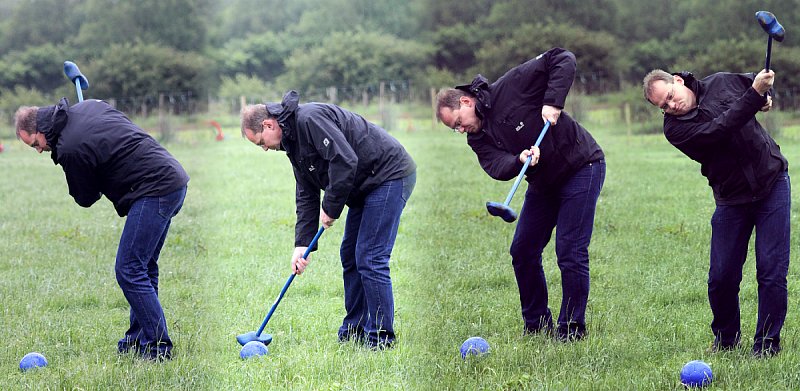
<point>503,210</point>
<point>74,75</point>
<point>770,24</point>
<point>267,338</point>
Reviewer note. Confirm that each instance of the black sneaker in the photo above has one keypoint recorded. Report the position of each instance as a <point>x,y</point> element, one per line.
<point>155,352</point>
<point>570,333</point>
<point>156,355</point>
<point>570,336</point>
<point>766,351</point>
<point>721,347</point>
<point>124,346</point>
<point>544,330</point>
<point>378,346</point>
<point>357,337</point>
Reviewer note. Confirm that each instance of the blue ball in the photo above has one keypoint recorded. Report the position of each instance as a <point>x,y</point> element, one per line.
<point>253,349</point>
<point>696,374</point>
<point>474,346</point>
<point>32,360</point>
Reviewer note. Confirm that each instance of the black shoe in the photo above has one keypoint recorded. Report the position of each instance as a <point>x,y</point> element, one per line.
<point>570,332</point>
<point>124,346</point>
<point>570,336</point>
<point>156,355</point>
<point>383,342</point>
<point>546,329</point>
<point>765,350</point>
<point>377,346</point>
<point>155,352</point>
<point>720,347</point>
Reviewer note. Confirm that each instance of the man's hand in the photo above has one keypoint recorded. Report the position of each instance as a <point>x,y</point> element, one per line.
<point>550,113</point>
<point>768,105</point>
<point>326,220</point>
<point>763,81</point>
<point>534,151</point>
<point>298,262</point>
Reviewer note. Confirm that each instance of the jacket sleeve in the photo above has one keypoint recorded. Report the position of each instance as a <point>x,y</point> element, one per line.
<point>307,204</point>
<point>695,138</point>
<point>558,67</point>
<point>329,141</point>
<point>498,163</point>
<point>81,180</point>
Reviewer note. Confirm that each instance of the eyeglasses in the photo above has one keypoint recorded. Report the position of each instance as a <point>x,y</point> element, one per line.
<point>260,141</point>
<point>665,107</point>
<point>456,124</point>
<point>34,143</point>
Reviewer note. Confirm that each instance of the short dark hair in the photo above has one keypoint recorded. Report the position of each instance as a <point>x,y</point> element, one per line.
<point>253,116</point>
<point>25,119</point>
<point>652,77</point>
<point>449,97</point>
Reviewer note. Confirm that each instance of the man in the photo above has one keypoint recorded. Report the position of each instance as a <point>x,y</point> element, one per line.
<point>103,153</point>
<point>355,163</point>
<point>713,122</point>
<point>502,120</point>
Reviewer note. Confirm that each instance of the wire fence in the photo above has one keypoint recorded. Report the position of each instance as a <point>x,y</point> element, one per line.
<point>385,93</point>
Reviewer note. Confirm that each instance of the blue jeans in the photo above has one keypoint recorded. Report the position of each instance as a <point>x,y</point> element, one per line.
<point>369,236</point>
<point>137,272</point>
<point>571,208</point>
<point>731,228</point>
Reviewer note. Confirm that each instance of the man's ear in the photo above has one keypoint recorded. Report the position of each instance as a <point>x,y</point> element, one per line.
<point>266,124</point>
<point>465,100</point>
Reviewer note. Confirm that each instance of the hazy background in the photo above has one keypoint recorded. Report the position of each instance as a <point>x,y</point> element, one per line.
<point>191,54</point>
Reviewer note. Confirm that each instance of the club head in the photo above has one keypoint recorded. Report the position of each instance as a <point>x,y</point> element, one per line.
<point>252,336</point>
<point>501,210</point>
<point>770,24</point>
<point>72,72</point>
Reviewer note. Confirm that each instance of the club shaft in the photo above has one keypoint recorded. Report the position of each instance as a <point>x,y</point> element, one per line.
<point>769,52</point>
<point>78,89</point>
<point>525,166</point>
<point>288,282</point>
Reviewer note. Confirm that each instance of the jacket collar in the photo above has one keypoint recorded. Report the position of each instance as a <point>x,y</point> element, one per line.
<point>697,88</point>
<point>479,88</point>
<point>50,121</point>
<point>285,112</point>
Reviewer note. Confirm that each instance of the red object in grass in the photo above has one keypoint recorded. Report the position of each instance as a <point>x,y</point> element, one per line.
<point>219,136</point>
<point>2,148</point>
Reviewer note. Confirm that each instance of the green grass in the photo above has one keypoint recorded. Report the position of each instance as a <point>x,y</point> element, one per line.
<point>228,254</point>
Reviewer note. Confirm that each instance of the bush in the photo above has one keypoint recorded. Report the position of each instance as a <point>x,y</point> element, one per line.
<point>644,117</point>
<point>11,100</point>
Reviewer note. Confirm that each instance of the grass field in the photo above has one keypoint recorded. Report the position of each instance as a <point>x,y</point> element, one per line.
<point>228,256</point>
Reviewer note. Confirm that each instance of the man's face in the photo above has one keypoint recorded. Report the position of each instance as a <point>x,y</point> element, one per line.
<point>34,140</point>
<point>462,119</point>
<point>269,138</point>
<point>672,98</point>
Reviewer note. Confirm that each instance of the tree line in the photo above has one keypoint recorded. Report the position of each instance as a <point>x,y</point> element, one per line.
<point>250,47</point>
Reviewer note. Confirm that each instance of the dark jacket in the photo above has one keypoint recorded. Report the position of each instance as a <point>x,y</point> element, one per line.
<point>337,151</point>
<point>511,113</point>
<point>739,158</point>
<point>103,153</point>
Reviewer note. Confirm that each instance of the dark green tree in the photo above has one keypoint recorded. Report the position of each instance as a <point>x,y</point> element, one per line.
<point>39,22</point>
<point>133,70</point>
<point>179,24</point>
<point>355,58</point>
<point>39,67</point>
<point>595,51</point>
<point>260,55</point>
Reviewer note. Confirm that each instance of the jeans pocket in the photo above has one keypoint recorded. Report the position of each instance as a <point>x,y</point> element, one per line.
<point>169,205</point>
<point>409,183</point>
